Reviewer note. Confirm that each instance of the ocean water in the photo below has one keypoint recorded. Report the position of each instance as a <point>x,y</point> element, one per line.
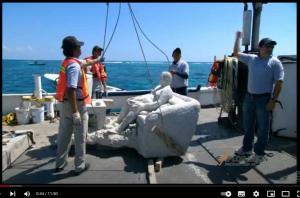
<point>17,75</point>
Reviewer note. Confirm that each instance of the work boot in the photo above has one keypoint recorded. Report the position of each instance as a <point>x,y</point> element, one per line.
<point>87,167</point>
<point>59,169</point>
<point>255,159</point>
<point>241,152</point>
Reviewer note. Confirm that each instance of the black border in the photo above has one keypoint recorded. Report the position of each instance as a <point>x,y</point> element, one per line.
<point>88,190</point>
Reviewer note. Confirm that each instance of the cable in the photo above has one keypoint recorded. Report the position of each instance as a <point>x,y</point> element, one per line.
<point>105,49</point>
<point>141,47</point>
<point>147,36</point>
<point>150,79</point>
<point>105,27</point>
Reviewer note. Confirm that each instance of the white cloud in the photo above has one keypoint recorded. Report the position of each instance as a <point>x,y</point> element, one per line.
<point>19,49</point>
<point>29,48</point>
<point>5,48</point>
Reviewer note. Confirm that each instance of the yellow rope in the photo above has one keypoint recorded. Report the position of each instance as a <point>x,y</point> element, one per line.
<point>40,100</point>
<point>10,118</point>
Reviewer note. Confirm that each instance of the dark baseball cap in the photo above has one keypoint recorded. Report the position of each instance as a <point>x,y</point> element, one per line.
<point>177,50</point>
<point>266,41</point>
<point>97,48</point>
<point>71,42</point>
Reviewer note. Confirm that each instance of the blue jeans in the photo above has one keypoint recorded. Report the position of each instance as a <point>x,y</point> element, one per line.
<point>254,112</point>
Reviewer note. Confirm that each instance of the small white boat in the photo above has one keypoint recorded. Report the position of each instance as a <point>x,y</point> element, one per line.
<point>54,77</point>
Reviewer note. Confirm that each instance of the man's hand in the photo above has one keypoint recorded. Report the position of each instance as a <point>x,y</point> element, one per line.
<point>236,47</point>
<point>76,118</point>
<point>105,93</point>
<point>98,59</point>
<point>239,35</point>
<point>271,105</point>
<point>173,72</point>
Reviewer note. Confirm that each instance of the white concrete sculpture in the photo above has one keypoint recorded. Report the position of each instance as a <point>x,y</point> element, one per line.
<point>165,123</point>
<point>149,102</point>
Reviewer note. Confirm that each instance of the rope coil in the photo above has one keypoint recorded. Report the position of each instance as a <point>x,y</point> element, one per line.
<point>227,101</point>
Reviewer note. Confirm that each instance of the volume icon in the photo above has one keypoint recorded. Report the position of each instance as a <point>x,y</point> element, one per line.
<point>27,193</point>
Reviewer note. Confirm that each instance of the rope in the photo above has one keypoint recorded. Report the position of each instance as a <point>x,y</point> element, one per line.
<point>105,27</point>
<point>227,101</point>
<point>226,92</point>
<point>149,75</point>
<point>141,47</point>
<point>9,119</point>
<point>146,35</point>
<point>169,142</point>
<point>105,49</point>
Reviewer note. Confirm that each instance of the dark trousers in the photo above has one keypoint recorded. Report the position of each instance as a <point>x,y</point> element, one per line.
<point>181,90</point>
<point>254,108</point>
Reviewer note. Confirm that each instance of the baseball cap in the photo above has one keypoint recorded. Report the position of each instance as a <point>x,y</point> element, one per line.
<point>177,50</point>
<point>97,48</point>
<point>266,41</point>
<point>71,42</point>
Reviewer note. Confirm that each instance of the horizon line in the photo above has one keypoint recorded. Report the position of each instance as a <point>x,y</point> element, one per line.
<point>105,61</point>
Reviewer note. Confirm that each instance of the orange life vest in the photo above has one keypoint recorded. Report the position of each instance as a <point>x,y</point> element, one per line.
<point>213,78</point>
<point>101,69</point>
<point>102,72</point>
<point>62,82</point>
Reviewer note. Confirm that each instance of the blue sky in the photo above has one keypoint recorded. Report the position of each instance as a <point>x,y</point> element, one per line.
<point>201,30</point>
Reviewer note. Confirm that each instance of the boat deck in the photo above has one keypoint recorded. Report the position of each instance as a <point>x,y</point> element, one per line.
<point>199,165</point>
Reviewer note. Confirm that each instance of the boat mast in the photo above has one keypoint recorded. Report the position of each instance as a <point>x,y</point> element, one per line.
<point>247,16</point>
<point>257,8</point>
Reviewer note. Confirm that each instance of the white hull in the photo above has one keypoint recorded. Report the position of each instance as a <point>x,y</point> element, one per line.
<point>206,96</point>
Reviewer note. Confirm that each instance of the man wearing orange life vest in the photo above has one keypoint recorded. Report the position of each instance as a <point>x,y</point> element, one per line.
<point>98,70</point>
<point>72,92</point>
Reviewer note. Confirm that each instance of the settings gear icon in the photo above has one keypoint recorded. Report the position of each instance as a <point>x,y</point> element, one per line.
<point>256,193</point>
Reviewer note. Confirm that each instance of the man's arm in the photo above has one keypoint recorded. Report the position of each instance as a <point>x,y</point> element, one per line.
<point>73,71</point>
<point>277,89</point>
<point>236,48</point>
<point>90,62</point>
<point>73,101</point>
<point>183,75</point>
<point>244,58</point>
<point>278,75</point>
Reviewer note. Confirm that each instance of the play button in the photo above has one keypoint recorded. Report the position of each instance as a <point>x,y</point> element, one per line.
<point>12,194</point>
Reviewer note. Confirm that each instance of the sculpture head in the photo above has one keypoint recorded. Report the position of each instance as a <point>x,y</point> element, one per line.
<point>165,78</point>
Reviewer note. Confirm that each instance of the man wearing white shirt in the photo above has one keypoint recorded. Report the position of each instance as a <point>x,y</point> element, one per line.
<point>180,73</point>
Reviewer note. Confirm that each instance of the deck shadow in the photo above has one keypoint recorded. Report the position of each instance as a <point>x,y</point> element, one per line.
<point>35,176</point>
<point>218,176</point>
<point>133,161</point>
<point>212,131</point>
<point>281,173</point>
